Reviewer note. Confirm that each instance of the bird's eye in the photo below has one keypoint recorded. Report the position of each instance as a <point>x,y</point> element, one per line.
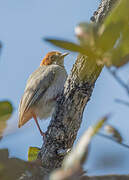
<point>53,57</point>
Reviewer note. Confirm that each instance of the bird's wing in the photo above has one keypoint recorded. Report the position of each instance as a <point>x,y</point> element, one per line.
<point>37,85</point>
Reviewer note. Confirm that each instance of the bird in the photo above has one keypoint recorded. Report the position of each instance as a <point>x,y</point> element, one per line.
<point>42,90</point>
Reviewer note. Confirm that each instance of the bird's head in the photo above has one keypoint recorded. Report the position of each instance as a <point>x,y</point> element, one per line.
<point>54,57</point>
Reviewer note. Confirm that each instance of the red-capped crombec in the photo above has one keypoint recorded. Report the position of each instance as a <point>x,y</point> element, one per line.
<point>43,88</point>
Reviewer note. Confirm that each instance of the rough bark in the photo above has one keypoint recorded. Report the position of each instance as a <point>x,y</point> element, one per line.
<point>67,118</point>
<point>103,10</point>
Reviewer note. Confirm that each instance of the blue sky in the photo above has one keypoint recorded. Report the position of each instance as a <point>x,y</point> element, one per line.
<point>23,25</point>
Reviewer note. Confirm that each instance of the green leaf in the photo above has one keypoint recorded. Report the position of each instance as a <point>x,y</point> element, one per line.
<point>124,43</point>
<point>117,60</point>
<point>119,14</point>
<point>33,153</point>
<point>86,50</point>
<point>6,110</point>
<point>120,54</point>
<point>114,26</point>
<point>99,124</point>
<point>107,40</point>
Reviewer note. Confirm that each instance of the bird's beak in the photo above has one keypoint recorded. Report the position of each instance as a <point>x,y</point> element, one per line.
<point>64,54</point>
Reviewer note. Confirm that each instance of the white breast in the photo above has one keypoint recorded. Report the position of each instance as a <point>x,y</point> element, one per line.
<point>46,104</point>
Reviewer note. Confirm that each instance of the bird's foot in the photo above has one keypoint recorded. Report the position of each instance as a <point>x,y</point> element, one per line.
<point>42,134</point>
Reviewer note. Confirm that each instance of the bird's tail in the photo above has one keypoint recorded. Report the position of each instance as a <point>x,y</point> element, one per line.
<point>24,118</point>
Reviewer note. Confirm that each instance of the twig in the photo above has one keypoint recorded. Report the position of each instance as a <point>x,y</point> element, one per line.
<point>110,138</point>
<point>118,79</point>
<point>122,102</point>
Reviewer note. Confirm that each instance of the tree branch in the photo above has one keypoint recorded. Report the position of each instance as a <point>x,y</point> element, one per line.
<point>103,10</point>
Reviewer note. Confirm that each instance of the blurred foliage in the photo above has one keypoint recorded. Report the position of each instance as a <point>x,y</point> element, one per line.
<point>71,46</point>
<point>33,153</point>
<point>6,110</point>
<point>109,43</point>
<point>12,168</point>
<point>72,164</point>
<point>78,154</point>
<point>0,47</point>
<point>114,133</point>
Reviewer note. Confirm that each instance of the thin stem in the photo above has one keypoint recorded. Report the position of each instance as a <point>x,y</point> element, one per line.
<point>122,102</point>
<point>110,138</point>
<point>118,79</point>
